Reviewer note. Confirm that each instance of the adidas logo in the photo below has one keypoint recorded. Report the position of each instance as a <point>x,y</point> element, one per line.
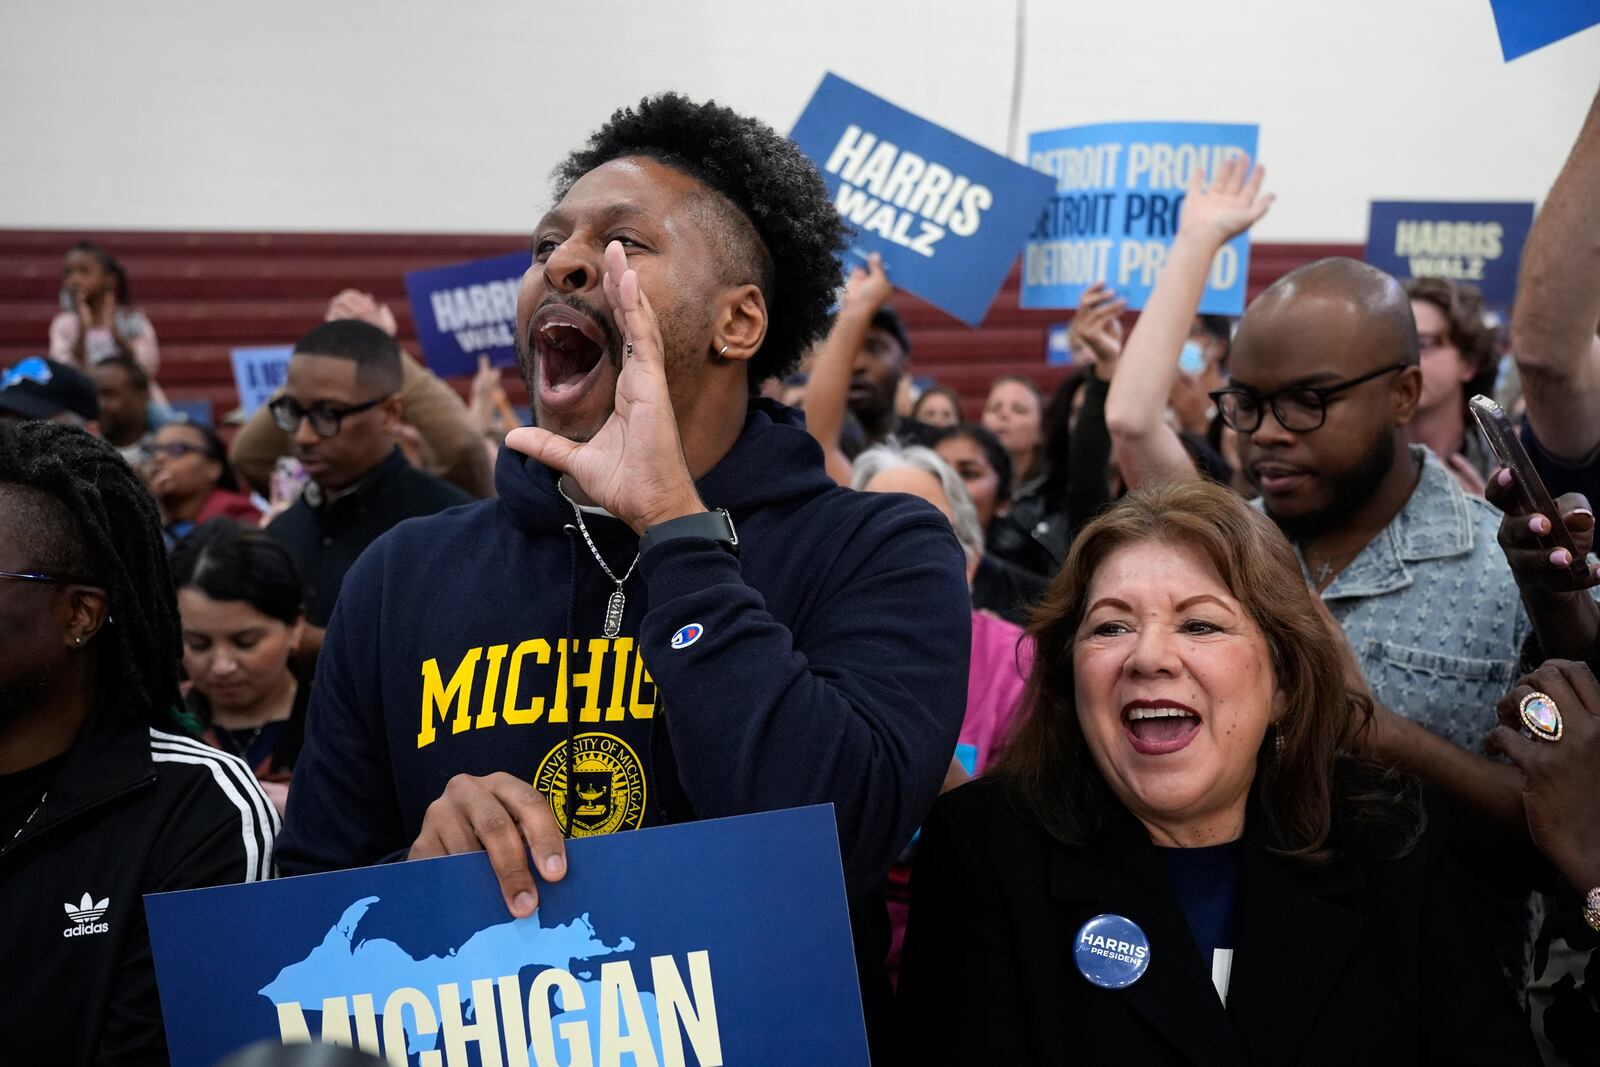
<point>87,914</point>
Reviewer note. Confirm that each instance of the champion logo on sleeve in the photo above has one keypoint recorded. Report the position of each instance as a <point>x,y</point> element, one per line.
<point>688,635</point>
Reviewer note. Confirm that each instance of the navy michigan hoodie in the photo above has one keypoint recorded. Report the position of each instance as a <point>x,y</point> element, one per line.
<point>827,662</point>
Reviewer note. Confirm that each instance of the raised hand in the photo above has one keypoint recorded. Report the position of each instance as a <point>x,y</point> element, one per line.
<point>868,287</point>
<point>1230,204</point>
<point>634,466</point>
<point>1098,324</point>
<point>355,304</point>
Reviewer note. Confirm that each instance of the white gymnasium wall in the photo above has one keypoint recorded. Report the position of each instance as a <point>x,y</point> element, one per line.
<point>447,115</point>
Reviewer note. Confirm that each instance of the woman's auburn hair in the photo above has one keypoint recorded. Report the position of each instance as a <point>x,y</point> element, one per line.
<point>1047,764</point>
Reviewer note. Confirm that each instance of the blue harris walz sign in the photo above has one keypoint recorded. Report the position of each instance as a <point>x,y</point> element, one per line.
<point>717,942</point>
<point>946,214</point>
<point>1480,243</point>
<point>466,311</point>
<point>1118,190</point>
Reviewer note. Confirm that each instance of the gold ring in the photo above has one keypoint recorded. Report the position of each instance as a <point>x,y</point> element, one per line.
<point>1540,717</point>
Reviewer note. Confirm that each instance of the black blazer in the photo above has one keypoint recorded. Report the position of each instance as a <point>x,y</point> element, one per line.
<point>1365,961</point>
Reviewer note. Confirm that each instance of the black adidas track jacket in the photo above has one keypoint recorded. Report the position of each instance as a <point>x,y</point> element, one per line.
<point>132,810</point>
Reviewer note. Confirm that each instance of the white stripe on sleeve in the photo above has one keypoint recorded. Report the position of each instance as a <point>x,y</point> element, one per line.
<point>258,820</point>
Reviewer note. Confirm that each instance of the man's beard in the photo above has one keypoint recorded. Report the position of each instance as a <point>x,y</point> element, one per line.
<point>1351,490</point>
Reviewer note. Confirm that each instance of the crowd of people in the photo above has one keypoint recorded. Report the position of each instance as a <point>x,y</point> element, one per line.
<point>1230,704</point>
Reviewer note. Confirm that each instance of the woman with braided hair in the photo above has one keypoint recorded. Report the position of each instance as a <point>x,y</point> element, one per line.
<point>105,795</point>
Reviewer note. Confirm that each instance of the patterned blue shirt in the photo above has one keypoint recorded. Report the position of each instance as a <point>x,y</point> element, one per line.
<point>1432,610</point>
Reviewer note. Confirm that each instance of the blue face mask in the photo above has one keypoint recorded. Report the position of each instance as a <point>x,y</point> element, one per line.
<point>1193,358</point>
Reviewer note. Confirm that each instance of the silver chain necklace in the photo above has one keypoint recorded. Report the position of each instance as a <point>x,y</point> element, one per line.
<point>614,606</point>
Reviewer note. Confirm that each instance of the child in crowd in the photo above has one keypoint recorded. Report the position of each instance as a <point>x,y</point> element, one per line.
<point>98,319</point>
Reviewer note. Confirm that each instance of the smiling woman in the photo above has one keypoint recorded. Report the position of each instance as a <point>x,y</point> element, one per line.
<point>1176,861</point>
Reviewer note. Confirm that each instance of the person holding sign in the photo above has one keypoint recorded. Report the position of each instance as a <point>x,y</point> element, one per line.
<point>671,612</point>
<point>1174,863</point>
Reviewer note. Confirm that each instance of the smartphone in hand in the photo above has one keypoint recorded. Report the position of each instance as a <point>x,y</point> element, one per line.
<point>1530,488</point>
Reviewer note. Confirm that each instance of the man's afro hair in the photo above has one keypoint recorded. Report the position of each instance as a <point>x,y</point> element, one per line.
<point>767,178</point>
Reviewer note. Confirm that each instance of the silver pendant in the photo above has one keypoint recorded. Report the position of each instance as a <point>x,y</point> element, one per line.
<point>614,608</point>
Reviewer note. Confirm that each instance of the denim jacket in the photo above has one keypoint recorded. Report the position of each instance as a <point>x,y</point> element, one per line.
<point>1432,610</point>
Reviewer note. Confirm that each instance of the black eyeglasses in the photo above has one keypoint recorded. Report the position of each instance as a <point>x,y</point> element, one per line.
<point>325,418</point>
<point>1298,409</point>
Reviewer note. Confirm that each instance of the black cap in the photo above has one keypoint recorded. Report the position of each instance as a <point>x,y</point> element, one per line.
<point>887,319</point>
<point>39,388</point>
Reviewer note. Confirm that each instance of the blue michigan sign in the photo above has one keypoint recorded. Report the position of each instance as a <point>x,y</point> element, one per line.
<point>717,942</point>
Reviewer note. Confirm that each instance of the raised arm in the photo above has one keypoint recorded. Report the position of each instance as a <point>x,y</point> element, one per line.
<point>1558,306</point>
<point>1098,324</point>
<point>1212,215</point>
<point>828,390</point>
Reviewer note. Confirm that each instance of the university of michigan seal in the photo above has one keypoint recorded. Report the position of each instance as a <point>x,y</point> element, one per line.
<point>607,791</point>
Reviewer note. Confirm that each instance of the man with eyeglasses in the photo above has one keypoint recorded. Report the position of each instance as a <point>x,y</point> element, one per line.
<point>1325,383</point>
<point>340,405</point>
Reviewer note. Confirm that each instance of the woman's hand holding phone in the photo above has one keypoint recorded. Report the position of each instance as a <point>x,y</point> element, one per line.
<point>1524,537</point>
<point>1565,616</point>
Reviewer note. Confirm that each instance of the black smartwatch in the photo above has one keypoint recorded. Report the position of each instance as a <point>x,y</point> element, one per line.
<point>713,525</point>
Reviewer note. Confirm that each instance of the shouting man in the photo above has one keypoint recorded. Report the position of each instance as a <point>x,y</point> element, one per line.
<point>671,612</point>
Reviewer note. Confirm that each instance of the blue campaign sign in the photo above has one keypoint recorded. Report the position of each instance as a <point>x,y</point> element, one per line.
<point>947,215</point>
<point>466,311</point>
<point>1528,25</point>
<point>1479,243</point>
<point>725,941</point>
<point>1118,189</point>
<point>258,373</point>
<point>1058,346</point>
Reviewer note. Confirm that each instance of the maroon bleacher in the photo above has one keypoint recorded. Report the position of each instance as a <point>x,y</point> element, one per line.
<point>207,293</point>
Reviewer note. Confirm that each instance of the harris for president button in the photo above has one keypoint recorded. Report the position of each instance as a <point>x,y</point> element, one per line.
<point>1111,951</point>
